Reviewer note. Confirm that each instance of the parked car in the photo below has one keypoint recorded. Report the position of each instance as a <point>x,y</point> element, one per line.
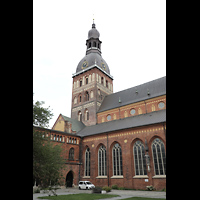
<point>85,185</point>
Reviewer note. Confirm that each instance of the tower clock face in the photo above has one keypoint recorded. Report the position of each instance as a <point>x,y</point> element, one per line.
<point>103,66</point>
<point>84,65</point>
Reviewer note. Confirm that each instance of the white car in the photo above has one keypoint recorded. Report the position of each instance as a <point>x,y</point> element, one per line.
<point>85,185</point>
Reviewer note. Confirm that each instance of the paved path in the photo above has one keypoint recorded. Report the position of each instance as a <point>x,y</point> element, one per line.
<point>123,193</point>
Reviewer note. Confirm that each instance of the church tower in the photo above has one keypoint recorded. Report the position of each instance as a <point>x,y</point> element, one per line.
<point>91,82</point>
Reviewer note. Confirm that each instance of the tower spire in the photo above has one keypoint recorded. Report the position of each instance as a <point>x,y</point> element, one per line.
<point>93,25</point>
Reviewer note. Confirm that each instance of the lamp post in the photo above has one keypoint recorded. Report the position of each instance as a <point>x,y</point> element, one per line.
<point>147,156</point>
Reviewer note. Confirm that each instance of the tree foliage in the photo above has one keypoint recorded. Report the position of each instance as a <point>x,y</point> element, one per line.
<point>47,157</point>
<point>47,160</point>
<point>41,116</point>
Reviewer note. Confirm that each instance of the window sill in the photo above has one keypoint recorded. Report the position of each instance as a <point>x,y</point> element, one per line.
<point>86,177</point>
<point>142,176</point>
<point>159,176</point>
<point>117,177</point>
<point>101,177</point>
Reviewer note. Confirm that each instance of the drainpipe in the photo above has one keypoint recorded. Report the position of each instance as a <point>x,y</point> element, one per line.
<point>164,130</point>
<point>80,158</point>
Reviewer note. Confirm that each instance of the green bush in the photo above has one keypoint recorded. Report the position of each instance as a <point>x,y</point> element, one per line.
<point>121,188</point>
<point>36,190</point>
<point>115,187</point>
<point>106,188</point>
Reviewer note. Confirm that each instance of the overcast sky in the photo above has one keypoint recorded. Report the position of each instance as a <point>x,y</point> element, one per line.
<point>133,35</point>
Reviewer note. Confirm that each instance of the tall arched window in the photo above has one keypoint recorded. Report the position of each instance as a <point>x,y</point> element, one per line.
<point>94,44</point>
<point>71,154</point>
<point>87,96</point>
<point>86,114</point>
<point>159,158</point>
<point>102,80</point>
<point>102,169</point>
<point>86,80</point>
<point>117,160</point>
<point>87,162</point>
<point>79,116</point>
<point>139,159</point>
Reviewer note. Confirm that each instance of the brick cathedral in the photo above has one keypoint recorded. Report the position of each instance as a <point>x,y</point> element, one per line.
<point>112,138</point>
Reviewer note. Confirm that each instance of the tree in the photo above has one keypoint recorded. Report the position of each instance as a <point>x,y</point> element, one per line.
<point>47,157</point>
<point>41,116</point>
<point>47,160</point>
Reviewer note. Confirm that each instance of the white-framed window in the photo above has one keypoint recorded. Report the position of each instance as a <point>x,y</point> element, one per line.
<point>159,158</point>
<point>139,159</point>
<point>117,160</point>
<point>102,167</point>
<point>87,162</point>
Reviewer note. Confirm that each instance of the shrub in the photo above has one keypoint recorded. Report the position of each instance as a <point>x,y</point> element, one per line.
<point>121,188</point>
<point>115,187</point>
<point>106,188</point>
<point>36,190</point>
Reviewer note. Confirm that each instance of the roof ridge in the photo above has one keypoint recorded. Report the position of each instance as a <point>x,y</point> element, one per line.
<point>137,85</point>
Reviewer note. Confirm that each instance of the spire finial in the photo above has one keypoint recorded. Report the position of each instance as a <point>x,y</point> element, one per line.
<point>93,25</point>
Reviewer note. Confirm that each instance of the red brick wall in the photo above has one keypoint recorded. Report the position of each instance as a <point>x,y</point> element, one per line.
<point>72,165</point>
<point>126,139</point>
<point>145,106</point>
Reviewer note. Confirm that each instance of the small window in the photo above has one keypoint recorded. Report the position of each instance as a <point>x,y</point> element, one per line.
<point>94,44</point>
<point>86,80</point>
<point>106,83</point>
<point>80,83</point>
<point>161,105</point>
<point>86,115</point>
<point>102,80</point>
<point>87,96</point>
<point>132,111</point>
<point>109,117</point>
<point>71,154</point>
<point>80,116</point>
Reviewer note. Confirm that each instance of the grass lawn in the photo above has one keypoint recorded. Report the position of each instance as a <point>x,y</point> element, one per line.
<point>79,196</point>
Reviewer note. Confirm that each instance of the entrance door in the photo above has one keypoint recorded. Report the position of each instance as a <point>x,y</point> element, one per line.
<point>69,179</point>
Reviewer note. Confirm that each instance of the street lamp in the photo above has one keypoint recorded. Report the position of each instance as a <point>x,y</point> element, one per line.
<point>147,156</point>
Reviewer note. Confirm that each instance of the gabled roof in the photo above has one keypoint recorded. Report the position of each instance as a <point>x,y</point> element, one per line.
<point>129,122</point>
<point>76,125</point>
<point>138,93</point>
